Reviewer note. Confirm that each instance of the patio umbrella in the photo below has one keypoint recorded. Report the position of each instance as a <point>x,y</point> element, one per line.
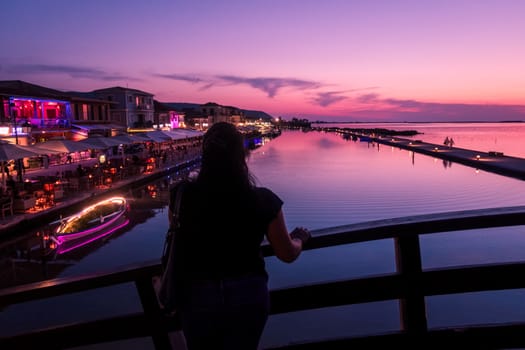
<point>141,136</point>
<point>177,136</point>
<point>125,139</point>
<point>9,151</point>
<point>100,142</point>
<point>64,146</point>
<point>158,136</point>
<point>129,139</point>
<point>60,147</point>
<point>187,132</point>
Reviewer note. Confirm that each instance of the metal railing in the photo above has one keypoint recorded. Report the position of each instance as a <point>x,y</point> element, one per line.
<point>410,284</point>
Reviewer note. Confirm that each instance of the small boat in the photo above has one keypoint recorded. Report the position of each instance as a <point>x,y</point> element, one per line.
<point>98,217</point>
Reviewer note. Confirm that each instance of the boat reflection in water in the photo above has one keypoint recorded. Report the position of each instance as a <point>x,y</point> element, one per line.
<point>92,223</point>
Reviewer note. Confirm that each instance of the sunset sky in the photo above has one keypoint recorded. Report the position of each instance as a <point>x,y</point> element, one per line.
<point>338,60</point>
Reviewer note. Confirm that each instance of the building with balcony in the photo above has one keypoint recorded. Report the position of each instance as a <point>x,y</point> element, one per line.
<point>32,113</point>
<point>91,115</point>
<point>166,117</point>
<point>218,113</point>
<point>27,110</point>
<point>131,108</point>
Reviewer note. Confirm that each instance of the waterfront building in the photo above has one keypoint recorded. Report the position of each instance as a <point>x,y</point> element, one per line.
<point>91,115</point>
<point>132,108</point>
<point>166,117</point>
<point>32,113</point>
<point>216,113</point>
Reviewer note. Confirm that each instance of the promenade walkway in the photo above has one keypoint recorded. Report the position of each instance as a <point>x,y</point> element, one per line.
<point>493,162</point>
<point>19,221</point>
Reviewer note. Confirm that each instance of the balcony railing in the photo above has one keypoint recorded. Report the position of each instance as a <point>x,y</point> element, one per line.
<point>410,284</point>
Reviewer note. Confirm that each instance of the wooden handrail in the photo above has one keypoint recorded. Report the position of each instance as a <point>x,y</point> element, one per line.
<point>410,284</point>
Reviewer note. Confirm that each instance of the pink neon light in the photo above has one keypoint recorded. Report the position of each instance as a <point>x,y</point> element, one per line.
<point>69,237</point>
<point>93,239</point>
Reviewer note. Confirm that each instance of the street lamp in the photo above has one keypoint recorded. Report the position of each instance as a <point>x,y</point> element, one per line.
<point>19,162</point>
<point>13,117</point>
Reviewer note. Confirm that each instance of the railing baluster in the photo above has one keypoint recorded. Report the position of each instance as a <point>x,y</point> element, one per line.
<point>412,307</point>
<point>409,285</point>
<point>149,301</point>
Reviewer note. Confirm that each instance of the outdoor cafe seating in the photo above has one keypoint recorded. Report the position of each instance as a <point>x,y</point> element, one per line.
<point>23,202</point>
<point>6,206</point>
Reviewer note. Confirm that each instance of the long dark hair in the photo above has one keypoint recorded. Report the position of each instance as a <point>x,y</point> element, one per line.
<point>224,160</point>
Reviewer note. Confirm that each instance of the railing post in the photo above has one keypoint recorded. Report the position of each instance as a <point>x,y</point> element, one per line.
<point>408,262</point>
<point>152,311</point>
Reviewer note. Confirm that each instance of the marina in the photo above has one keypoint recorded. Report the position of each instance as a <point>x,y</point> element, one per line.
<point>491,161</point>
<point>345,199</point>
<point>386,138</point>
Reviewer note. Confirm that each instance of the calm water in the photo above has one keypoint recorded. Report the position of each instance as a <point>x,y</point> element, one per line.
<point>327,181</point>
<point>501,137</point>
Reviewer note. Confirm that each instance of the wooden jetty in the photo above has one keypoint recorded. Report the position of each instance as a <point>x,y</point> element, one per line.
<point>491,161</point>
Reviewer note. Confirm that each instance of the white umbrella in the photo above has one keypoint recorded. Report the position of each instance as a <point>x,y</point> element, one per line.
<point>177,136</point>
<point>99,142</point>
<point>127,139</point>
<point>142,137</point>
<point>187,132</point>
<point>158,136</point>
<point>64,146</point>
<point>9,151</point>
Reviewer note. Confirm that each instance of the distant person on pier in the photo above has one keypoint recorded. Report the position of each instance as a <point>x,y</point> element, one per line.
<point>446,142</point>
<point>451,142</point>
<point>223,298</point>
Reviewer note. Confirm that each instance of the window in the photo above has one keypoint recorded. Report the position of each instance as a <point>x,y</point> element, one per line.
<point>84,112</point>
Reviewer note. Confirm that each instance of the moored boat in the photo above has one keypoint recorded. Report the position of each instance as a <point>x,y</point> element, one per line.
<point>91,220</point>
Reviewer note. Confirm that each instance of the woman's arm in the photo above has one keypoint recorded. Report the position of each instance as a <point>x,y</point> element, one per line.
<point>287,247</point>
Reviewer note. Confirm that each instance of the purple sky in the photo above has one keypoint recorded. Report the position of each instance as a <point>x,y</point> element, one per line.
<point>340,60</point>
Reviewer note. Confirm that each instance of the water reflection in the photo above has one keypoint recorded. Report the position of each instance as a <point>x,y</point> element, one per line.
<point>35,256</point>
<point>324,180</point>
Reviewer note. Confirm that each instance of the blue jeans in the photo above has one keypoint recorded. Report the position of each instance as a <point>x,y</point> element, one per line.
<point>225,314</point>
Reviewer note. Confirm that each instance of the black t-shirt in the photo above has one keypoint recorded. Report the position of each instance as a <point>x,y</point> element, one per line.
<point>221,232</point>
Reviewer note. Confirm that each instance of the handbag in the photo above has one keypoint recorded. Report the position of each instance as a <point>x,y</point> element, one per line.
<point>170,270</point>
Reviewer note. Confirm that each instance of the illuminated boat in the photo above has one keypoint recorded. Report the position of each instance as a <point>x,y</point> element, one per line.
<point>97,218</point>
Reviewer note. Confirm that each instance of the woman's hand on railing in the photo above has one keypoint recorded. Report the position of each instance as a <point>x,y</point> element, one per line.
<point>301,233</point>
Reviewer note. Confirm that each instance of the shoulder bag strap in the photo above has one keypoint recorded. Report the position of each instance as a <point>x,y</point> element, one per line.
<point>174,222</point>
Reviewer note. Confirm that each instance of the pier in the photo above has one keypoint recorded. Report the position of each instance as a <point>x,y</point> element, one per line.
<point>490,161</point>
